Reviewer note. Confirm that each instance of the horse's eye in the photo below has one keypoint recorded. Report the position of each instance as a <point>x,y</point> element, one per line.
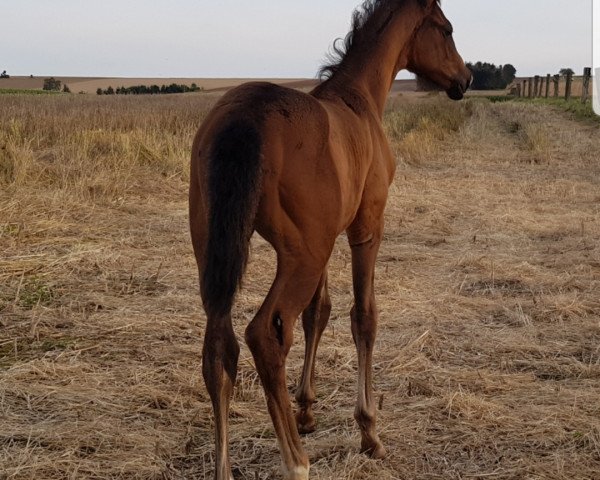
<point>447,33</point>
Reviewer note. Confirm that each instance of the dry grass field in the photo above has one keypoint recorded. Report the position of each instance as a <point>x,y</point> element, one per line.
<point>91,84</point>
<point>487,364</point>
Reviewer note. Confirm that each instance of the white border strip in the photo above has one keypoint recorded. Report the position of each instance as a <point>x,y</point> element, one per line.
<point>596,55</point>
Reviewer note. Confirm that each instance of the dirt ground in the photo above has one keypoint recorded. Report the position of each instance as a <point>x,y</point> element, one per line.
<point>487,363</point>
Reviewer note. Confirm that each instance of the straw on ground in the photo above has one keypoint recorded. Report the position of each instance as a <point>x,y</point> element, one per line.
<point>488,357</point>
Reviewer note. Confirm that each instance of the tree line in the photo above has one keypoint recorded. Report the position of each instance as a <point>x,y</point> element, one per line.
<point>150,90</point>
<point>487,76</point>
<point>53,85</point>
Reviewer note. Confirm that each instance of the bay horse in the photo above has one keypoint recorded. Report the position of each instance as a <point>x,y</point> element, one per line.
<point>300,169</point>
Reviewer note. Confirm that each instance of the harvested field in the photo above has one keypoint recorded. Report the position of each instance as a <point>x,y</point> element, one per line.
<point>487,363</point>
<point>91,84</point>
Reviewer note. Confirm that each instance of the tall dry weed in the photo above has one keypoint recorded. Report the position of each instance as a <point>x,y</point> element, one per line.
<point>415,129</point>
<point>97,148</point>
<point>537,141</point>
<point>16,155</point>
<point>530,129</point>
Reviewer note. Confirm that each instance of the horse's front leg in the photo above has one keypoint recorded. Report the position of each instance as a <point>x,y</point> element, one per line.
<point>314,321</point>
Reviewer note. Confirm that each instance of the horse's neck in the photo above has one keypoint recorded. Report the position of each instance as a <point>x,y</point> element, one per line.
<point>371,71</point>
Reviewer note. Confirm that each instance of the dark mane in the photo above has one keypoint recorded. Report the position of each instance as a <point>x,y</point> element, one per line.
<point>368,20</point>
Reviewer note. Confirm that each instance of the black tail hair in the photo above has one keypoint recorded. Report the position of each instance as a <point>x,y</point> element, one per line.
<point>234,179</point>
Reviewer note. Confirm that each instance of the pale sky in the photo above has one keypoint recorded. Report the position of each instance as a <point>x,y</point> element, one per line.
<point>264,38</point>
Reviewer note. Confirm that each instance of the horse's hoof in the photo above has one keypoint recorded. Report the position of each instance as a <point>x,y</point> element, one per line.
<point>375,450</point>
<point>298,473</point>
<point>379,452</point>
<point>305,422</point>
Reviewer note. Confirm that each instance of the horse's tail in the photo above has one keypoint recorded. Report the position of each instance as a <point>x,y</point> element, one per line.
<point>234,178</point>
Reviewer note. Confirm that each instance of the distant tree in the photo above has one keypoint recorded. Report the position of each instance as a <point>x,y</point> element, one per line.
<point>66,89</point>
<point>151,90</point>
<point>99,91</point>
<point>508,73</point>
<point>487,76</point>
<point>4,74</point>
<point>566,71</point>
<point>52,85</point>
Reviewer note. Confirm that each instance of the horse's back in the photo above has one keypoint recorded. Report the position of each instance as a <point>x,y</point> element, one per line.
<point>281,115</point>
<point>300,184</point>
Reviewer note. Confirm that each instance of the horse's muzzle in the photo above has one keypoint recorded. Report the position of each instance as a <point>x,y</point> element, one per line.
<point>458,89</point>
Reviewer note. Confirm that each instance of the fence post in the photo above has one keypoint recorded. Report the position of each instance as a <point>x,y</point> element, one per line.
<point>542,80</point>
<point>585,93</point>
<point>530,87</point>
<point>518,90</point>
<point>547,85</point>
<point>536,85</point>
<point>556,80</point>
<point>568,87</point>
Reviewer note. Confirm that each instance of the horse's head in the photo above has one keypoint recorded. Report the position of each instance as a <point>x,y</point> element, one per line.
<point>433,54</point>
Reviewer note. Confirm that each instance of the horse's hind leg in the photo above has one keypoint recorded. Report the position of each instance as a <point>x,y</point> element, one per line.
<point>270,337</point>
<point>364,327</point>
<point>314,321</point>
<point>219,368</point>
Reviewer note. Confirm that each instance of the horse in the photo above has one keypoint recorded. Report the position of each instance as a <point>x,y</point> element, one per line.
<point>299,169</point>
